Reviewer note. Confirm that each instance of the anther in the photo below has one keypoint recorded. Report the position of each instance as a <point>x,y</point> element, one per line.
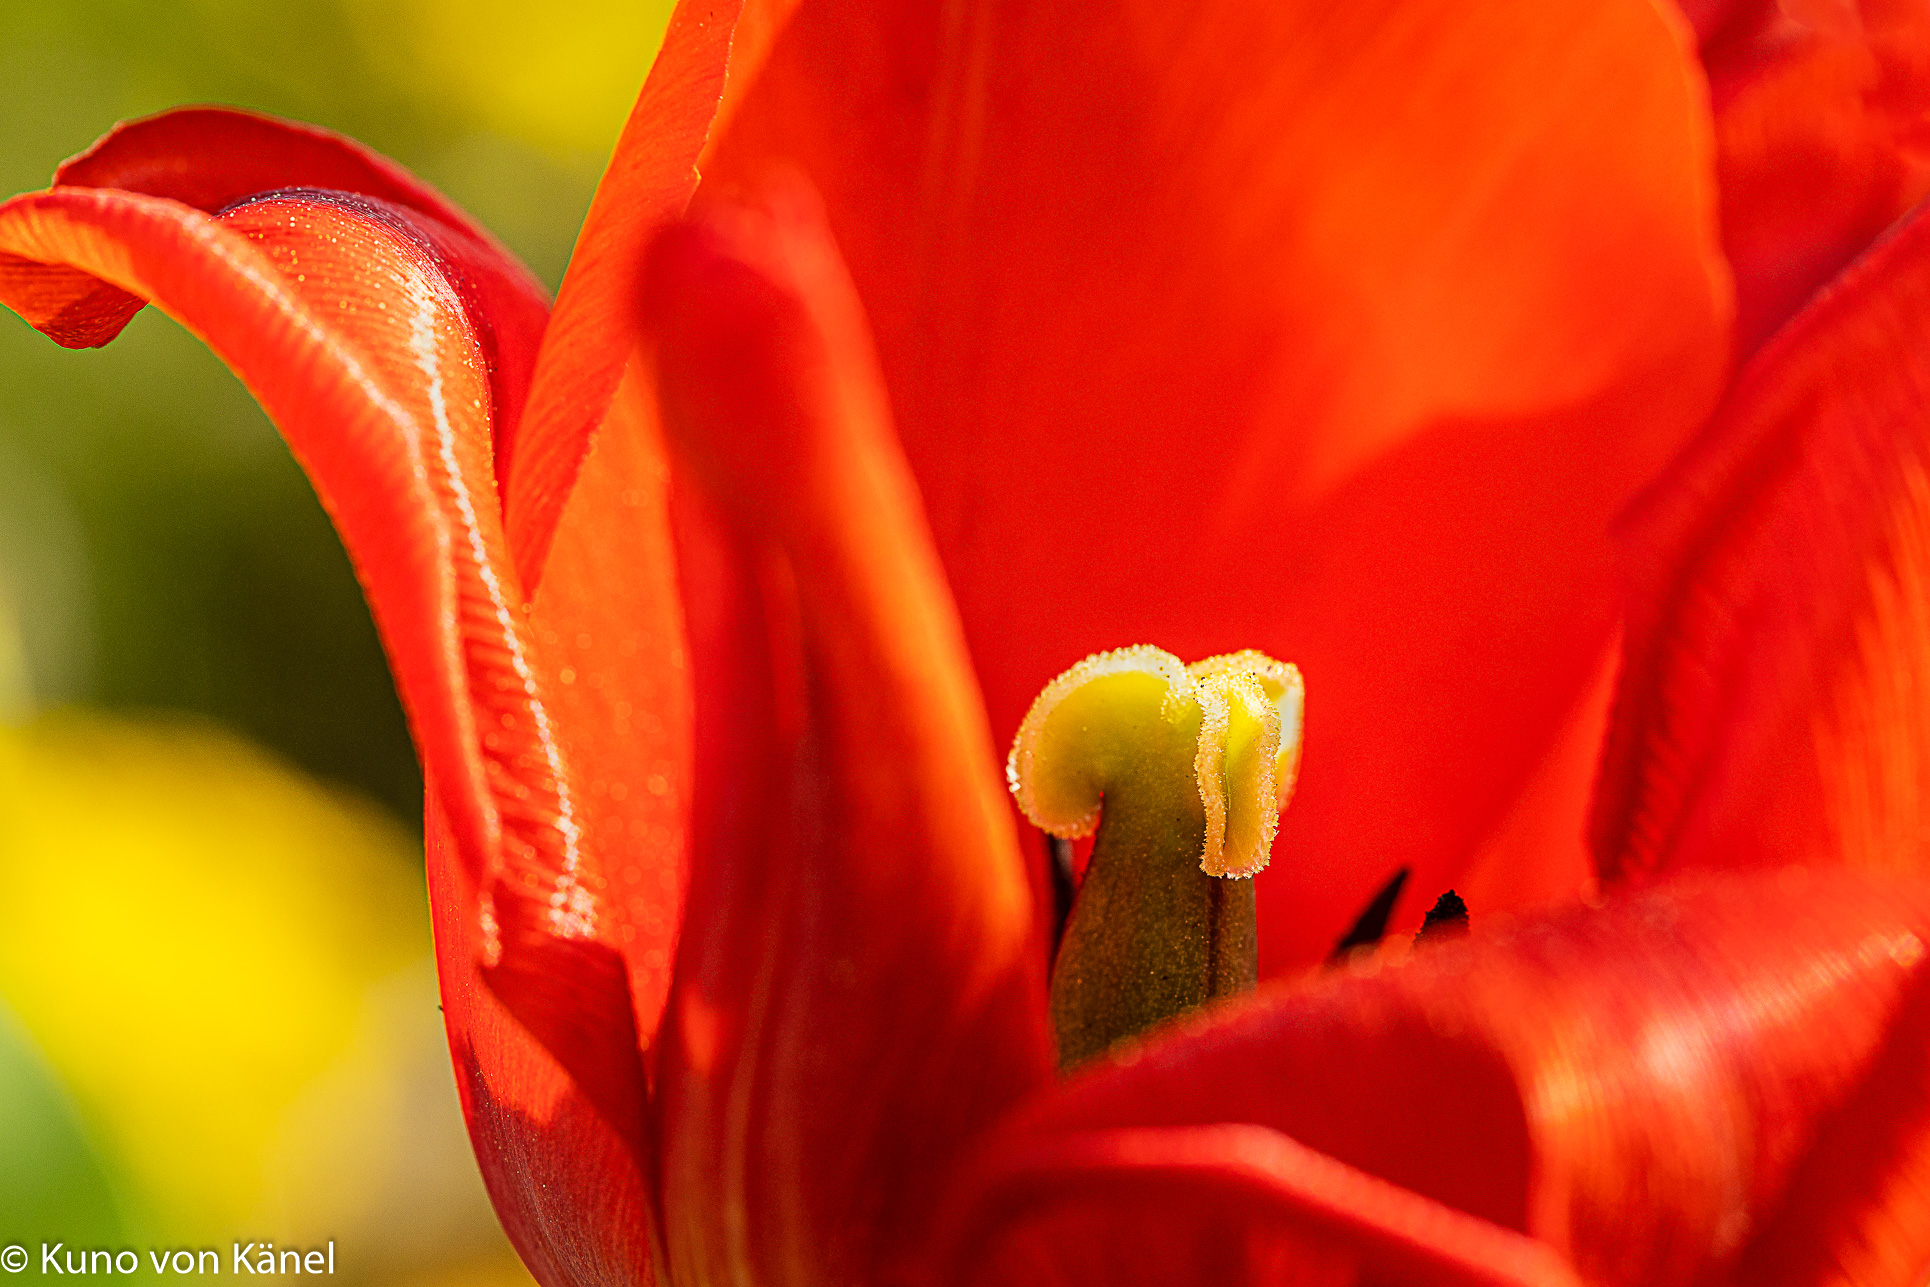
<point>1371,926</point>
<point>1448,918</point>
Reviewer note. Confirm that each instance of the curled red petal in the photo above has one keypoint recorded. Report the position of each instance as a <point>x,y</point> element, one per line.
<point>862,993</point>
<point>594,330</point>
<point>1820,110</point>
<point>337,312</point>
<point>1775,699</point>
<point>212,157</point>
<point>1340,333</point>
<point>1646,1088</point>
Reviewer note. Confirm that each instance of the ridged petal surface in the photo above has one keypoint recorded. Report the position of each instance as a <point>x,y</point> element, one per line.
<point>1775,697</point>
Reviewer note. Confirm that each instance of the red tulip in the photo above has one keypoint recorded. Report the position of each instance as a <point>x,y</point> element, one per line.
<point>1344,333</point>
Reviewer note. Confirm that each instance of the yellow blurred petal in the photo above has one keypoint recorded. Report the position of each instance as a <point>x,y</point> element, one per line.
<point>190,933</point>
<point>559,76</point>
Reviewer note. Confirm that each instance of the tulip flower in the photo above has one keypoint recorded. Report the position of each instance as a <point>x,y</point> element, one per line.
<point>1363,336</point>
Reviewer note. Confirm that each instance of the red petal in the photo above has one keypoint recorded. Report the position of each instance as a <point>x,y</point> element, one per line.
<point>609,620</point>
<point>568,1187</point>
<point>1335,332</point>
<point>587,510</point>
<point>759,24</point>
<point>1708,17</point>
<point>1538,855</point>
<point>1641,1088</point>
<point>588,522</point>
<point>1776,694</point>
<point>337,313</point>
<point>212,157</point>
<point>1223,1204</point>
<point>595,328</point>
<point>1820,117</point>
<point>1858,1211</point>
<point>863,993</point>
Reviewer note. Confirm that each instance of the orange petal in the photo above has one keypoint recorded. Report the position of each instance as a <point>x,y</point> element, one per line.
<point>339,313</point>
<point>1643,1089</point>
<point>1337,333</point>
<point>861,991</point>
<point>1775,700</point>
<point>759,24</point>
<point>594,329</point>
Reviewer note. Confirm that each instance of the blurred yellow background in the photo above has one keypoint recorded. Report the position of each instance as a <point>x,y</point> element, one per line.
<point>217,1010</point>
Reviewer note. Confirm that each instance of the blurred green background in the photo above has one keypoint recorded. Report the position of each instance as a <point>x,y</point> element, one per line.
<point>217,1013</point>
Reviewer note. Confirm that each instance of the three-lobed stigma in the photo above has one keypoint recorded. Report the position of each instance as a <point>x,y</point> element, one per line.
<point>1140,721</point>
<point>1182,772</point>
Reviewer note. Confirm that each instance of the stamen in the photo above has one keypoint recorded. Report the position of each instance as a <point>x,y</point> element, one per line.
<point>1192,766</point>
<point>1371,926</point>
<point>1448,918</point>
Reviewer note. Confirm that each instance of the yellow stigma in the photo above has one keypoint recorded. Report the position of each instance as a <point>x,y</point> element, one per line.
<point>1221,735</point>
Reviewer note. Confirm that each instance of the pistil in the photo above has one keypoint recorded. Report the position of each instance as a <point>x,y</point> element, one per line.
<point>1182,772</point>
